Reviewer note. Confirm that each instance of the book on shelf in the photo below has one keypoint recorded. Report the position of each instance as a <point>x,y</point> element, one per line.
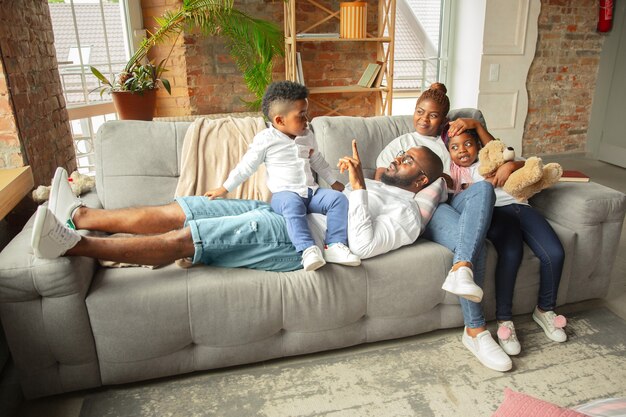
<point>317,35</point>
<point>570,175</point>
<point>369,75</point>
<point>378,80</point>
<point>299,73</point>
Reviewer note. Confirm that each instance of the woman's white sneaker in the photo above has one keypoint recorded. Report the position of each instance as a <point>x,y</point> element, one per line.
<point>507,339</point>
<point>461,283</point>
<point>487,351</point>
<point>338,253</point>
<point>51,238</point>
<point>551,324</point>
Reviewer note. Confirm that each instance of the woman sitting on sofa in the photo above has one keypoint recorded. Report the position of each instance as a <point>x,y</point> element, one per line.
<point>461,226</point>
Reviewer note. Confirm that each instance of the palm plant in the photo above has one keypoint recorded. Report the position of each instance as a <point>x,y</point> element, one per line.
<point>252,43</point>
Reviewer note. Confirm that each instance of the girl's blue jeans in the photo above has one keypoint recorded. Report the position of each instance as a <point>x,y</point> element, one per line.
<point>462,226</point>
<point>325,201</point>
<point>239,233</point>
<point>511,226</point>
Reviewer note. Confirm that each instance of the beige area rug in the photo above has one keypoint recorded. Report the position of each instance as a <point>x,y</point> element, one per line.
<point>427,375</point>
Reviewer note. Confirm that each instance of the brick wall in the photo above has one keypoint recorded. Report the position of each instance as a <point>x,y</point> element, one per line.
<point>32,78</point>
<point>10,149</point>
<point>206,80</point>
<point>562,77</point>
<point>176,104</point>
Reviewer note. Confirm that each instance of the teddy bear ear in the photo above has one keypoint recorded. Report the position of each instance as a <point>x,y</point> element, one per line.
<point>508,153</point>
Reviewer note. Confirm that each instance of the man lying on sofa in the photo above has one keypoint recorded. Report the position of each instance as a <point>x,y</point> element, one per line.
<point>242,233</point>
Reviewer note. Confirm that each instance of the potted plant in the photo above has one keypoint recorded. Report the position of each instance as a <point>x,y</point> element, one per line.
<point>252,43</point>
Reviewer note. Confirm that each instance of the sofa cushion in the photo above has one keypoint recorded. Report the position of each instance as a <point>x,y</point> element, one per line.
<point>137,162</point>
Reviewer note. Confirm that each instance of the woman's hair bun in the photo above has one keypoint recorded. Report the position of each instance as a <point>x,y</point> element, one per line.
<point>439,86</point>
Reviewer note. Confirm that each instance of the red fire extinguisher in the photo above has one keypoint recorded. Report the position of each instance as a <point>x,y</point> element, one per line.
<point>605,20</point>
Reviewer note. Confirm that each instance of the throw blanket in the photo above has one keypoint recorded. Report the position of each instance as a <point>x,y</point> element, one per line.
<point>211,149</point>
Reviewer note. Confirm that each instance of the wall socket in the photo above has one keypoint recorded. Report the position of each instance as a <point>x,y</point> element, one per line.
<point>494,72</point>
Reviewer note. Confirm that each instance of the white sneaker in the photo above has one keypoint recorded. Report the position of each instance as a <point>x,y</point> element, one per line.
<point>461,282</point>
<point>487,351</point>
<point>338,253</point>
<point>551,324</point>
<point>312,258</point>
<point>507,339</point>
<point>62,200</point>
<point>51,238</point>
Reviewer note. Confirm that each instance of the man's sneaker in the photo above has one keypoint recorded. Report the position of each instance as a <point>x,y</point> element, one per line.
<point>551,324</point>
<point>338,253</point>
<point>487,351</point>
<point>507,339</point>
<point>461,282</point>
<point>312,258</point>
<point>51,238</point>
<point>62,200</point>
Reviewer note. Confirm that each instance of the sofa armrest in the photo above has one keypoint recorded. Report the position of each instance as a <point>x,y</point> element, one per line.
<point>44,315</point>
<point>595,213</point>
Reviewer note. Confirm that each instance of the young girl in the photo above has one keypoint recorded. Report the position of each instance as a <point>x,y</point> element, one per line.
<point>512,224</point>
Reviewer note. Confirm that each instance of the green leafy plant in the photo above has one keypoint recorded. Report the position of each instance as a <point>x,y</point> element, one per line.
<point>252,43</point>
<point>140,78</point>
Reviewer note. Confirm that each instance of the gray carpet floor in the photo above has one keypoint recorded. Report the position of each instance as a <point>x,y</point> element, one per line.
<point>427,375</point>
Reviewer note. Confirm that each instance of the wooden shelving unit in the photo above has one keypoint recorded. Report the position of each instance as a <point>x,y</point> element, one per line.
<point>384,39</point>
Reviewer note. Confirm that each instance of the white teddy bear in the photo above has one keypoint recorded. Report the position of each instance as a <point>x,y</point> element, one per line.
<point>80,184</point>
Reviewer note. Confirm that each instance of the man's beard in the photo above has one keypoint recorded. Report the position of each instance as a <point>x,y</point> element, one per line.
<point>396,181</point>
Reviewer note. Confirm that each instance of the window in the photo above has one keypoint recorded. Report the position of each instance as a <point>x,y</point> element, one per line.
<point>419,51</point>
<point>86,33</point>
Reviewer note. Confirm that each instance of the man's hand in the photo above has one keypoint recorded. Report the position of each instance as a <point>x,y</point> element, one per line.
<point>449,181</point>
<point>218,192</point>
<point>337,186</point>
<point>353,165</point>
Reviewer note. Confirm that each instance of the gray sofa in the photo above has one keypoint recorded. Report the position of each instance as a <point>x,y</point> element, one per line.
<point>72,324</point>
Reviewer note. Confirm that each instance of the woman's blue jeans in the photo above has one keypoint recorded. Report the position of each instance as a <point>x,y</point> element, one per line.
<point>325,201</point>
<point>239,233</point>
<point>462,226</point>
<point>511,226</point>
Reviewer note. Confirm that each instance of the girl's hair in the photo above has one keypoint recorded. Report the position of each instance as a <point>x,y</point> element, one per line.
<point>437,93</point>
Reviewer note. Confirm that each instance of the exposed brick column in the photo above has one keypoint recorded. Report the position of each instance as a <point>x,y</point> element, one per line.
<point>562,77</point>
<point>34,87</point>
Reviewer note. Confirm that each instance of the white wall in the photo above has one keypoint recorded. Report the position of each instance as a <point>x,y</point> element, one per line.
<point>466,46</point>
<point>493,45</point>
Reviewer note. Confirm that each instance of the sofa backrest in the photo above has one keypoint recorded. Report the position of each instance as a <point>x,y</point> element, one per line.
<point>138,162</point>
<point>334,136</point>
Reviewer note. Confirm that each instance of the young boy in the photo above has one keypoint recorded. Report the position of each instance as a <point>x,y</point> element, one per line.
<point>289,151</point>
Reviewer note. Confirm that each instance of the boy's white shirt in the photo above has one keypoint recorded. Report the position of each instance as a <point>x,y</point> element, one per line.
<point>410,140</point>
<point>502,197</point>
<point>288,162</point>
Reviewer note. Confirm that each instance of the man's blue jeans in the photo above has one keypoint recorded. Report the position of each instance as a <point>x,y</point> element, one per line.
<point>325,201</point>
<point>239,233</point>
<point>462,226</point>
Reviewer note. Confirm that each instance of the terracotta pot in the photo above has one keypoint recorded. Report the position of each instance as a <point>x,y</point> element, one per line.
<point>131,106</point>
